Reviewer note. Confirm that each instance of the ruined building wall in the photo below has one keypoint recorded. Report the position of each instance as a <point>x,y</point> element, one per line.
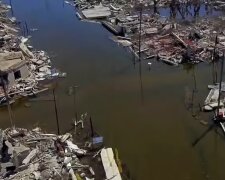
<point>24,72</point>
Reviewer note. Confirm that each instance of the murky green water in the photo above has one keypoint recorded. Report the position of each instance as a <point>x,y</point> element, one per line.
<point>143,114</point>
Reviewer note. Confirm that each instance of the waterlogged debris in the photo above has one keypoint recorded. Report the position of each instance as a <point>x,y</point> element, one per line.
<point>97,12</point>
<point>33,29</point>
<point>75,148</point>
<point>33,154</point>
<point>79,16</point>
<point>109,164</point>
<point>124,43</point>
<point>211,101</point>
<point>8,28</point>
<point>23,69</point>
<point>73,176</point>
<point>12,19</point>
<point>25,50</point>
<point>24,40</point>
<point>186,40</point>
<point>216,86</point>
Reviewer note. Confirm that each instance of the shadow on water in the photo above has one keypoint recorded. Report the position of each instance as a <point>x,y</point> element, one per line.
<point>198,139</point>
<point>191,95</point>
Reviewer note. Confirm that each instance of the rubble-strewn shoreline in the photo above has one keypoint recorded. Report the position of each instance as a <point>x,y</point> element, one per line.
<point>183,36</point>
<point>34,154</point>
<point>23,70</point>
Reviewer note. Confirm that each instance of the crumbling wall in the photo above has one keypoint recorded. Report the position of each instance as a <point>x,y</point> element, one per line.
<point>11,79</point>
<point>24,71</point>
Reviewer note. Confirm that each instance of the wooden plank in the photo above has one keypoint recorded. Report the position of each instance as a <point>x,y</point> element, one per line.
<point>30,156</point>
<point>180,40</point>
<point>109,164</point>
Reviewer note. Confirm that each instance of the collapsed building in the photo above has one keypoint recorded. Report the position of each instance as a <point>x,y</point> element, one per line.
<point>22,70</point>
<point>180,36</point>
<point>35,154</point>
<point>13,67</point>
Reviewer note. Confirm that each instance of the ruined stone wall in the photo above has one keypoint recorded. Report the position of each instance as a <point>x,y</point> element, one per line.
<point>11,78</point>
<point>24,73</point>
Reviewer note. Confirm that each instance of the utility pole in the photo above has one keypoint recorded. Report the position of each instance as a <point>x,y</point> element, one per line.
<point>92,129</point>
<point>56,111</point>
<point>7,99</point>
<point>214,62</point>
<point>140,32</point>
<point>220,85</point>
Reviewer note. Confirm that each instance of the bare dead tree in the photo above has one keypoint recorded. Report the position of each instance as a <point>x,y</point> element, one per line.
<point>197,5</point>
<point>155,6</point>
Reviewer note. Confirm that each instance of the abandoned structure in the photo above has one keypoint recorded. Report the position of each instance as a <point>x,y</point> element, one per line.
<point>13,66</point>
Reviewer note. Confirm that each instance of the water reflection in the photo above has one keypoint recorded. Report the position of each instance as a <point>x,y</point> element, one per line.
<point>188,10</point>
<point>11,10</point>
<point>191,100</point>
<point>141,82</point>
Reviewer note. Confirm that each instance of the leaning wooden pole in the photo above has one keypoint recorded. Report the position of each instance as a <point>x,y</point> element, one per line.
<point>92,128</point>
<point>56,111</point>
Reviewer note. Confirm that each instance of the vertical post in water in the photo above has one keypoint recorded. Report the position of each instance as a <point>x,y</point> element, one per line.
<point>193,93</point>
<point>26,28</point>
<point>75,101</point>
<point>214,63</point>
<point>92,129</point>
<point>10,2</point>
<point>139,53</point>
<point>213,72</point>
<point>7,100</point>
<point>220,85</point>
<point>56,112</point>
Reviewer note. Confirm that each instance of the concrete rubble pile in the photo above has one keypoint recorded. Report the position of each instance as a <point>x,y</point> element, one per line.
<point>181,43</point>
<point>129,5</point>
<point>23,68</point>
<point>32,154</point>
<point>175,42</point>
<point>219,5</point>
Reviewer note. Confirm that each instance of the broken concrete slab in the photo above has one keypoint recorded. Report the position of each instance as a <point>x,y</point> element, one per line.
<point>26,51</point>
<point>31,155</point>
<point>97,12</point>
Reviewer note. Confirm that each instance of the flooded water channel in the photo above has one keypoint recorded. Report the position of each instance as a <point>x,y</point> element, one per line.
<point>151,116</point>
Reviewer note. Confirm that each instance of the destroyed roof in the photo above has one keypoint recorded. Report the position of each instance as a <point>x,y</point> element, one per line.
<point>11,60</point>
